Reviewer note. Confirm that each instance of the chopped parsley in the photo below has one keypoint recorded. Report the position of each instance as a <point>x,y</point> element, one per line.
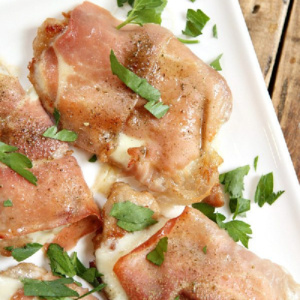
<point>122,2</point>
<point>215,31</point>
<point>196,20</point>
<point>139,86</point>
<point>132,217</point>
<point>216,63</point>
<point>17,162</point>
<point>7,203</point>
<point>264,191</point>
<point>157,256</point>
<point>63,135</point>
<point>22,253</point>
<point>239,206</point>
<point>188,41</point>
<point>93,158</point>
<point>255,163</point>
<point>144,11</point>
<point>204,249</point>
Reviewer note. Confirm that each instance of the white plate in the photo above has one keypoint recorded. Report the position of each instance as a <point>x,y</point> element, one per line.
<point>252,130</point>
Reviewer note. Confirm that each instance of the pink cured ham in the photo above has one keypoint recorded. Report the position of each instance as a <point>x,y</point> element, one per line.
<point>225,271</point>
<point>61,197</point>
<point>71,71</point>
<point>30,271</point>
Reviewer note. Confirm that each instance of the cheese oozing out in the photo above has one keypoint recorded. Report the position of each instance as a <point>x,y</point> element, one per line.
<point>106,258</point>
<point>120,154</point>
<point>8,287</point>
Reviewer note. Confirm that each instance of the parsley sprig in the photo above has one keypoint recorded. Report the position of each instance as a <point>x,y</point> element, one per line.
<point>157,255</point>
<point>144,11</point>
<point>63,135</point>
<point>17,162</point>
<point>140,86</point>
<point>22,253</point>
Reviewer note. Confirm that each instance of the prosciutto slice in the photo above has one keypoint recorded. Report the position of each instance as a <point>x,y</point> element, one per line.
<point>61,201</point>
<point>224,271</point>
<point>30,271</point>
<point>172,156</point>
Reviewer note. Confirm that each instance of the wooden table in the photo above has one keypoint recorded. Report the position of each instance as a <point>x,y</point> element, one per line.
<point>274,27</point>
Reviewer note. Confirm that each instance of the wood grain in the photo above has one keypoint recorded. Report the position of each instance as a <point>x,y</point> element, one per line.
<point>265,21</point>
<point>286,93</point>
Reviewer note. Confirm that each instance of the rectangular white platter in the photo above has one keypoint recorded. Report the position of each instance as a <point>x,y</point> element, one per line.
<point>252,130</point>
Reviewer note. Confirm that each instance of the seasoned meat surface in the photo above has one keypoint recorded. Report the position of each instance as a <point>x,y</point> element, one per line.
<point>172,156</point>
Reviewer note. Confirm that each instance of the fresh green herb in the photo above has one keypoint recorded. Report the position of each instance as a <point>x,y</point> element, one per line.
<point>234,181</point>
<point>255,162</point>
<point>145,11</point>
<point>60,262</point>
<point>238,230</point>
<point>188,41</point>
<point>177,298</point>
<point>90,275</point>
<point>140,86</point>
<point>157,256</point>
<point>239,206</point>
<point>9,248</point>
<point>216,63</point>
<point>204,249</point>
<point>93,158</point>
<point>20,254</point>
<point>17,162</point>
<point>196,20</point>
<point>132,217</point>
<point>96,289</point>
<point>264,191</point>
<point>63,135</point>
<point>54,288</point>
<point>192,0</point>
<point>122,2</point>
<point>157,109</point>
<point>215,31</point>
<point>7,203</point>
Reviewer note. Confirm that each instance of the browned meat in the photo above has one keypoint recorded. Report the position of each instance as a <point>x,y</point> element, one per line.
<point>172,156</point>
<point>226,271</point>
<point>61,197</point>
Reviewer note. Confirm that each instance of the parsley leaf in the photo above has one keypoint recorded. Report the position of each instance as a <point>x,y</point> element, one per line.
<point>238,230</point>
<point>145,11</point>
<point>7,203</point>
<point>93,158</point>
<point>90,275</point>
<point>157,256</point>
<point>215,31</point>
<point>157,109</point>
<point>188,41</point>
<point>17,162</point>
<point>140,86</point>
<point>255,163</point>
<point>96,289</point>
<point>216,63</point>
<point>122,2</point>
<point>20,254</point>
<point>204,249</point>
<point>54,288</point>
<point>234,181</point>
<point>238,206</point>
<point>60,262</point>
<point>132,217</point>
<point>63,135</point>
<point>264,191</point>
<point>196,20</point>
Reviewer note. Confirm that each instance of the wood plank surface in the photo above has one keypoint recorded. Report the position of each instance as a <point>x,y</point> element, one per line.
<point>265,21</point>
<point>286,93</point>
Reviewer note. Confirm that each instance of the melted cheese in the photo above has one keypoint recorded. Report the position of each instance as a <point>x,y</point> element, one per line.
<point>43,237</point>
<point>120,155</point>
<point>8,287</point>
<point>106,257</point>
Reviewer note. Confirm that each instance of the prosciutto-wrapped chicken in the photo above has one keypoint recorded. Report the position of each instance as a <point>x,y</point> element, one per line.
<point>11,286</point>
<point>60,207</point>
<point>173,155</point>
<point>201,262</point>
